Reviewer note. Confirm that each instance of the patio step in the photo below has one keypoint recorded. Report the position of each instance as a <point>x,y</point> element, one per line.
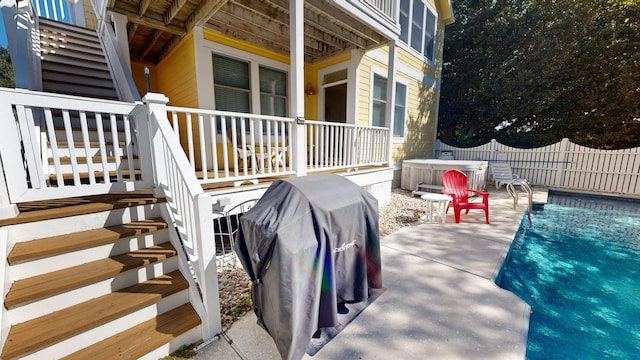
<point>85,291</point>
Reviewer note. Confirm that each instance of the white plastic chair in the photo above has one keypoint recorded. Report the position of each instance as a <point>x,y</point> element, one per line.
<point>502,174</point>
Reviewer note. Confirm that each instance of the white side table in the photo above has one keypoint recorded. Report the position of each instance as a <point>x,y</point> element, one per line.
<point>437,206</point>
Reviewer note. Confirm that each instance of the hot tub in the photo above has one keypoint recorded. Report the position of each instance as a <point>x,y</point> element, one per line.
<point>429,172</point>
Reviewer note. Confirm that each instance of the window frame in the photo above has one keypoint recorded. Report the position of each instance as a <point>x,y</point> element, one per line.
<point>424,30</point>
<point>255,62</point>
<point>375,74</point>
<point>404,106</point>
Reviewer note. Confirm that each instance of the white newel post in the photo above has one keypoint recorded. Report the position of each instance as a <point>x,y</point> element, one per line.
<point>155,104</point>
<point>208,282</point>
<point>296,75</point>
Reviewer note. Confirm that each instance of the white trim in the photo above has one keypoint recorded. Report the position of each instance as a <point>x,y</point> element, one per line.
<point>401,139</point>
<point>204,70</point>
<point>407,45</point>
<point>405,69</point>
<point>353,76</point>
<point>205,75</point>
<point>374,71</point>
<point>345,65</point>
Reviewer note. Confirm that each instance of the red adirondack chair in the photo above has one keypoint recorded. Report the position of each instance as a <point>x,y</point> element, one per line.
<point>454,184</point>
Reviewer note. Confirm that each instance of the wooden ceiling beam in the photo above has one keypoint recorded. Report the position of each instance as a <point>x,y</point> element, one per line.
<point>144,5</point>
<point>148,45</point>
<point>173,10</point>
<point>203,12</point>
<point>338,24</point>
<point>152,23</point>
<point>276,14</point>
<point>131,30</point>
<point>344,20</point>
<point>263,38</point>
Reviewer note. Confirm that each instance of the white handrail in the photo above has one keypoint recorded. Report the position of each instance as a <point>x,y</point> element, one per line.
<point>65,139</point>
<point>191,208</point>
<point>123,81</point>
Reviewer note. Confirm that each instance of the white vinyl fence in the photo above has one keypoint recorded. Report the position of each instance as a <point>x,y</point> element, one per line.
<point>563,165</point>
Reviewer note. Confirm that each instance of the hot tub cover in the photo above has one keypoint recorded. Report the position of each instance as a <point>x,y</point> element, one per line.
<point>309,243</point>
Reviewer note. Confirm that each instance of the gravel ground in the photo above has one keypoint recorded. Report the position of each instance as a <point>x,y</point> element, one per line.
<point>235,286</point>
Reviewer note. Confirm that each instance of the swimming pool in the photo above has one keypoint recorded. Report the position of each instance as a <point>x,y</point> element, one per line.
<point>578,267</point>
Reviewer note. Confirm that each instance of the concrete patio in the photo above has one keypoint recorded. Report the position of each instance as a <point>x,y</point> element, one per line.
<point>440,300</point>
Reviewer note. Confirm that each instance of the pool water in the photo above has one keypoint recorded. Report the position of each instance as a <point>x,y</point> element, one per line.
<point>578,267</point>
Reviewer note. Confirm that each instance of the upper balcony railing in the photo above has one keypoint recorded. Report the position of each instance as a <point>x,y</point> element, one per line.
<point>387,7</point>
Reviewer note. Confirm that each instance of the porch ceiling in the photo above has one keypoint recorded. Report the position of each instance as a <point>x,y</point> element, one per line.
<point>155,27</point>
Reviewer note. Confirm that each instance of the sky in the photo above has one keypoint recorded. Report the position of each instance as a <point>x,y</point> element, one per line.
<point>3,35</point>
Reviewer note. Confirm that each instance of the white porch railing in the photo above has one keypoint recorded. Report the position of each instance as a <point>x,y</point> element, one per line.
<point>333,146</point>
<point>61,10</point>
<point>387,7</point>
<point>60,146</point>
<point>563,165</point>
<point>191,209</point>
<point>21,24</point>
<point>260,148</point>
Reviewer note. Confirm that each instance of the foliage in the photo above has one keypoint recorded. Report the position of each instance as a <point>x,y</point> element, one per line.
<point>529,73</point>
<point>6,69</point>
<point>184,352</point>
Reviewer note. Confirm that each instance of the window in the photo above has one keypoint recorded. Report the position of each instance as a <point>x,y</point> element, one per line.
<point>379,100</point>
<point>273,92</point>
<point>417,23</point>
<point>404,19</point>
<point>400,110</point>
<point>418,26</point>
<point>231,84</point>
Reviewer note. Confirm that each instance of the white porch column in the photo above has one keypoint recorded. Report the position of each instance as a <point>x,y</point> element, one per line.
<point>120,29</point>
<point>391,97</point>
<point>77,8</point>
<point>298,140</point>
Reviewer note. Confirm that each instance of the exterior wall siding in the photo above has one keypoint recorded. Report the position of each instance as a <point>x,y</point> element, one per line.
<point>176,74</point>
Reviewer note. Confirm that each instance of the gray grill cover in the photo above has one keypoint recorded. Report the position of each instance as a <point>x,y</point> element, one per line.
<point>309,243</point>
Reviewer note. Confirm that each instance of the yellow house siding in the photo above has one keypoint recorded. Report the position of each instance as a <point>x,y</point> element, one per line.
<point>176,74</point>
<point>367,65</point>
<point>419,75</point>
<point>137,71</point>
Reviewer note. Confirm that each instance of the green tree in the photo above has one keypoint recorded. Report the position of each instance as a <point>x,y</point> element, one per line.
<point>529,73</point>
<point>6,70</point>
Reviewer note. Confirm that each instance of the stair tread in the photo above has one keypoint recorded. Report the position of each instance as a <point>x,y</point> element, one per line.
<point>94,159</point>
<point>98,174</point>
<point>60,244</point>
<point>56,282</point>
<point>53,26</point>
<point>143,338</point>
<point>59,325</point>
<point>65,207</point>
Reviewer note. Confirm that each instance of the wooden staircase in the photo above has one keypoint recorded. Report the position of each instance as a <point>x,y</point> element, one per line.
<point>73,61</point>
<point>94,277</point>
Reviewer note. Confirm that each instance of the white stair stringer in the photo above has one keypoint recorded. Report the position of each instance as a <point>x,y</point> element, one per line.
<point>28,311</point>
